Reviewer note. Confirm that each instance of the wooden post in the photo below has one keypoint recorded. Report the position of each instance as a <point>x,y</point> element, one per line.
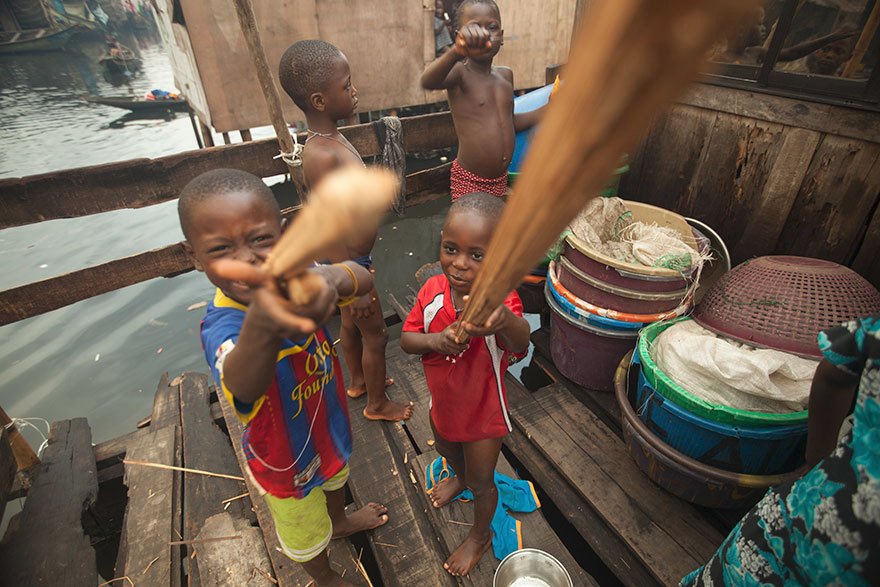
<point>192,120</point>
<point>248,23</point>
<point>206,134</point>
<point>245,135</point>
<point>863,42</point>
<point>25,457</point>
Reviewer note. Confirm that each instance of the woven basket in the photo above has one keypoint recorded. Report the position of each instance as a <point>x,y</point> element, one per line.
<point>783,302</point>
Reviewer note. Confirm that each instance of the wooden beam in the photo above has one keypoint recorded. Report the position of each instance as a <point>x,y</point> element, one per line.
<point>36,298</point>
<point>836,120</point>
<point>143,182</point>
<point>7,469</point>
<point>45,544</point>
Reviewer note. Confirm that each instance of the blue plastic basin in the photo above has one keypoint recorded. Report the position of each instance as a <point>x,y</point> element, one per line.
<point>756,451</point>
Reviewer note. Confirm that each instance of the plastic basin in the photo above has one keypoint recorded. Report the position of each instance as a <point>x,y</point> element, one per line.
<point>677,473</point>
<point>669,389</point>
<point>586,354</point>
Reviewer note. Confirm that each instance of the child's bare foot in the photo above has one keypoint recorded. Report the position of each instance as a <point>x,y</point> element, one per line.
<point>466,556</point>
<point>356,391</point>
<point>368,517</point>
<point>446,491</point>
<point>390,411</point>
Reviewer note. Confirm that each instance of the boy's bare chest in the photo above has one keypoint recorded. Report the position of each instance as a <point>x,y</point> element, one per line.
<point>488,92</point>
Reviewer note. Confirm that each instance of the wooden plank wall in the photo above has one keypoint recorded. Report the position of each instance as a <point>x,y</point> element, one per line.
<point>388,44</point>
<point>772,175</point>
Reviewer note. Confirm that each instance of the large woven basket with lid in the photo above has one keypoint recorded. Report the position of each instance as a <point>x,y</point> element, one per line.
<point>782,302</point>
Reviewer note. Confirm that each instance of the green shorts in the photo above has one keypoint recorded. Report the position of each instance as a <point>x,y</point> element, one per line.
<point>303,525</point>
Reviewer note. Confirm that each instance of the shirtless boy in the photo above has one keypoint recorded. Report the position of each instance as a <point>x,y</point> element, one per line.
<point>480,99</point>
<point>316,75</point>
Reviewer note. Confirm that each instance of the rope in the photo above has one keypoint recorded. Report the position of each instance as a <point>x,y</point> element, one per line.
<point>24,422</point>
<point>293,159</point>
<point>390,133</point>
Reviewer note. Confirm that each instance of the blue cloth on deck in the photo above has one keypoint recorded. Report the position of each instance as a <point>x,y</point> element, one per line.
<point>514,495</point>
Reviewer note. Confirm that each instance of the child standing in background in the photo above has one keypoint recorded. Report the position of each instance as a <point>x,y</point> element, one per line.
<point>316,75</point>
<point>480,99</point>
<point>466,380</point>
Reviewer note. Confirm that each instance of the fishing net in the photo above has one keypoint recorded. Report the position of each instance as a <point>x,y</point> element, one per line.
<point>390,135</point>
<point>725,372</point>
<point>608,227</point>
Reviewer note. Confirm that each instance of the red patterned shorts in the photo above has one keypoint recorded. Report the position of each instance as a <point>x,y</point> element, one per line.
<point>462,181</point>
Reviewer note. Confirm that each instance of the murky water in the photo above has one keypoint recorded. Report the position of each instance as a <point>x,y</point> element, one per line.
<point>102,358</point>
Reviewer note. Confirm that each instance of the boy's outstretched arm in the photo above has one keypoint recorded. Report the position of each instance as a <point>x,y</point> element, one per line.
<point>526,120</point>
<point>442,74</point>
<point>249,368</point>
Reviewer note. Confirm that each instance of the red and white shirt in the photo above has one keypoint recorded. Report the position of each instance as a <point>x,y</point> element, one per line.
<point>468,397</point>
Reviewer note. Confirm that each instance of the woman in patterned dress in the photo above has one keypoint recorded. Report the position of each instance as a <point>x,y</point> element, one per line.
<point>824,528</point>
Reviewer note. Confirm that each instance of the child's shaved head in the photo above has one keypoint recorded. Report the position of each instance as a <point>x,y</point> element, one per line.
<point>305,68</point>
<point>217,183</point>
<point>481,203</point>
<point>467,3</point>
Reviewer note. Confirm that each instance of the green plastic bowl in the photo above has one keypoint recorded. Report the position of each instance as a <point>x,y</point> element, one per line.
<point>670,390</point>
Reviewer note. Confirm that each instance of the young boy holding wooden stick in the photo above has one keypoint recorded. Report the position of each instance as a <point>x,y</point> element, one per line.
<point>466,379</point>
<point>317,77</point>
<point>277,365</point>
<point>480,99</point>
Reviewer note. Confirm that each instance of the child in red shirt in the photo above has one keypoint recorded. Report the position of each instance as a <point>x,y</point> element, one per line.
<point>466,380</point>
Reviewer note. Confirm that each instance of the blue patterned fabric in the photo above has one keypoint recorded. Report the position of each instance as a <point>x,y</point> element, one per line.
<point>823,529</point>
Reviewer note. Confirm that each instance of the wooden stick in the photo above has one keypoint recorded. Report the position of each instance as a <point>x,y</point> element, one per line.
<point>630,60</point>
<point>24,454</point>
<point>248,22</point>
<point>182,469</point>
<point>231,499</point>
<point>349,201</point>
<point>201,540</point>
<point>864,41</point>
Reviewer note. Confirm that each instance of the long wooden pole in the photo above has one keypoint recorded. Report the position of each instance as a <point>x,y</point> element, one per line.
<point>248,22</point>
<point>631,59</point>
<point>864,41</point>
<point>25,457</point>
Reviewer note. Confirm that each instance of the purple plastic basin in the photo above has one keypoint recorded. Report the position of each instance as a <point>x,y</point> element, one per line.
<point>614,297</point>
<point>679,474</point>
<point>584,353</point>
<point>613,276</point>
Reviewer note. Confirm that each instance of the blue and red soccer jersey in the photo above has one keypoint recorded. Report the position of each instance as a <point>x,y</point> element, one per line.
<point>297,435</point>
<point>468,397</point>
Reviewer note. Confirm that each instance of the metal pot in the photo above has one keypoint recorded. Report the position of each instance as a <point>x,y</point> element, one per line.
<point>531,567</point>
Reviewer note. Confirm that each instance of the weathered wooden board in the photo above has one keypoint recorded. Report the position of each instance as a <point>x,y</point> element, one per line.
<point>287,572</point>
<point>50,294</point>
<point>143,182</point>
<point>834,202</point>
<point>240,561</point>
<point>45,543</point>
<point>760,235</point>
<point>7,469</point>
<point>153,513</point>
<point>405,547</point>
<point>668,535</point>
<point>661,170</point>
<point>628,569</point>
<point>823,118</point>
<point>206,448</point>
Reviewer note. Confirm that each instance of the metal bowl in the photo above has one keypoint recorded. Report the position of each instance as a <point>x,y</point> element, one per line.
<point>531,567</point>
